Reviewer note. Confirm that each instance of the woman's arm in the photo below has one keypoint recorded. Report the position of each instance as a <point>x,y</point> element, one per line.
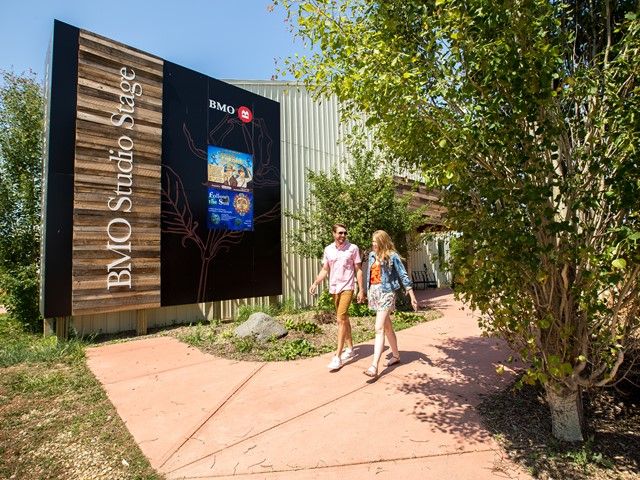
<point>405,280</point>
<point>402,272</point>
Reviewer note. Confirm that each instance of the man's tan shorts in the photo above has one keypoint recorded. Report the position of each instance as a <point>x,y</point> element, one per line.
<point>342,301</point>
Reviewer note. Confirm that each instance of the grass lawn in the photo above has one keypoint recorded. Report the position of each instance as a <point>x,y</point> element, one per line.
<point>56,422</point>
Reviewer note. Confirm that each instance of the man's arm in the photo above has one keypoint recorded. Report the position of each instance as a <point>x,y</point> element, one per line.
<point>313,289</point>
<point>359,277</point>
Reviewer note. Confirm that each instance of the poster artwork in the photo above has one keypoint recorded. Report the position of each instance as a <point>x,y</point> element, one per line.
<point>230,189</point>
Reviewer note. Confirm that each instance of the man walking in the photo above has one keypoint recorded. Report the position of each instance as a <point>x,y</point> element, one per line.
<point>341,262</point>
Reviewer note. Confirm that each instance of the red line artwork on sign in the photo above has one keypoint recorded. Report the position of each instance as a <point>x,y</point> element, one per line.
<point>178,217</point>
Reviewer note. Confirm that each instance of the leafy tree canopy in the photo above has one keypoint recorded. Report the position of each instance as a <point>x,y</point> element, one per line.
<point>21,133</point>
<point>21,124</point>
<point>527,114</point>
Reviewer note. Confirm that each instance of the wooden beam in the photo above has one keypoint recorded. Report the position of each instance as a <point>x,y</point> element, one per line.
<point>62,327</point>
<point>141,322</point>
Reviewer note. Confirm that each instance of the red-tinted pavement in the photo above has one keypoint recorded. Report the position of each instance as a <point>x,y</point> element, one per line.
<point>198,416</point>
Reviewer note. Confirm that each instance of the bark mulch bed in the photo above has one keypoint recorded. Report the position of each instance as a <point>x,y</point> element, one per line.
<point>521,422</point>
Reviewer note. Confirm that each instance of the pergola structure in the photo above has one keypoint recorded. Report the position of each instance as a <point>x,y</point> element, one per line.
<point>421,195</point>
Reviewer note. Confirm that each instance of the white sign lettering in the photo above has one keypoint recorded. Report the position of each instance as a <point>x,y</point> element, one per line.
<point>119,229</point>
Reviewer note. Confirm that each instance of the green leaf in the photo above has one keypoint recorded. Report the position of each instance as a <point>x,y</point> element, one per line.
<point>619,263</point>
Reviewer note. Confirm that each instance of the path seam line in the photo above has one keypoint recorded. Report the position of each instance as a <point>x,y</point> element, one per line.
<point>352,464</point>
<point>172,451</point>
<point>268,429</point>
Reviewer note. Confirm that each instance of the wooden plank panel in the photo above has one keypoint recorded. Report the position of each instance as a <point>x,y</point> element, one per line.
<point>95,178</point>
<point>107,45</point>
<point>99,106</point>
<point>106,121</point>
<point>92,140</point>
<point>94,129</point>
<point>116,157</point>
<point>87,164</point>
<point>97,285</point>
<point>94,88</point>
<point>100,307</point>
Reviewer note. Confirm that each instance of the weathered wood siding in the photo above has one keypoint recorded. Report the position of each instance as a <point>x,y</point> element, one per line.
<point>111,77</point>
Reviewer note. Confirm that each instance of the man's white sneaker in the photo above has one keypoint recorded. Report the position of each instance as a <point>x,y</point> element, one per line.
<point>335,363</point>
<point>347,354</point>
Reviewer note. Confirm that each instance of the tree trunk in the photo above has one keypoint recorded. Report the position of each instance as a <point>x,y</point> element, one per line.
<point>566,412</point>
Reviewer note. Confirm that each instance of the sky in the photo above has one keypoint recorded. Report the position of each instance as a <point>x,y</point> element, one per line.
<point>224,39</point>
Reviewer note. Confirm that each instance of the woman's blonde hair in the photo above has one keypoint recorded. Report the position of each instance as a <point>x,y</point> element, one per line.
<point>385,245</point>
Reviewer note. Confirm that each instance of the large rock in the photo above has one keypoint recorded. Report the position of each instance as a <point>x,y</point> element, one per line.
<point>261,326</point>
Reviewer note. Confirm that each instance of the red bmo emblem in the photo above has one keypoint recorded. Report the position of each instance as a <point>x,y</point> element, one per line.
<point>245,114</point>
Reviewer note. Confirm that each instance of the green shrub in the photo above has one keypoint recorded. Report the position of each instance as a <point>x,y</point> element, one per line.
<point>287,307</point>
<point>21,296</point>
<point>404,320</point>
<point>306,326</point>
<point>199,335</point>
<point>325,302</point>
<point>403,302</point>
<point>360,310</point>
<point>227,334</point>
<point>244,345</point>
<point>244,312</point>
<point>290,350</point>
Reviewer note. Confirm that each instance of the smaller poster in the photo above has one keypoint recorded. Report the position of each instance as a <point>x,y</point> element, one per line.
<point>230,189</point>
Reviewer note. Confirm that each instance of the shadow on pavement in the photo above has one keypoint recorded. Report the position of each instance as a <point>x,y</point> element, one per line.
<point>454,383</point>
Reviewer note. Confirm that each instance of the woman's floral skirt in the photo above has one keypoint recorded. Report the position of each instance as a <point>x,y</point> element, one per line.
<point>381,301</point>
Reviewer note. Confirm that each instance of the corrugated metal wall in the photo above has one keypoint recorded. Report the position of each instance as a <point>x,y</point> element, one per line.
<point>311,137</point>
<point>431,256</point>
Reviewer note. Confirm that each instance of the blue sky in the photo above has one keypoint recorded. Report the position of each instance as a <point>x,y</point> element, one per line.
<point>225,39</point>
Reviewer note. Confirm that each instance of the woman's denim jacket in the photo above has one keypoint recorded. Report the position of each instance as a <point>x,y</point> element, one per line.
<point>393,273</point>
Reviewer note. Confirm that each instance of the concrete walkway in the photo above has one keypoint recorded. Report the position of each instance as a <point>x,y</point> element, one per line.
<point>198,416</point>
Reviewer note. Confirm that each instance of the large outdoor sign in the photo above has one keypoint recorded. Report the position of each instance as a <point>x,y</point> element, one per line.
<point>162,185</point>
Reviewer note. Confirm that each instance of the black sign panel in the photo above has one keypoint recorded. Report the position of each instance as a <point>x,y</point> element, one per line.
<point>221,216</point>
<point>202,179</point>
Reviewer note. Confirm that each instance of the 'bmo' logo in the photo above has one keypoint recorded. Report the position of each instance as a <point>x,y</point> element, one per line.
<point>245,114</point>
<point>221,106</point>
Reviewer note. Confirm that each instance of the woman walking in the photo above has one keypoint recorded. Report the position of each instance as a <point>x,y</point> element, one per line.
<point>385,274</point>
